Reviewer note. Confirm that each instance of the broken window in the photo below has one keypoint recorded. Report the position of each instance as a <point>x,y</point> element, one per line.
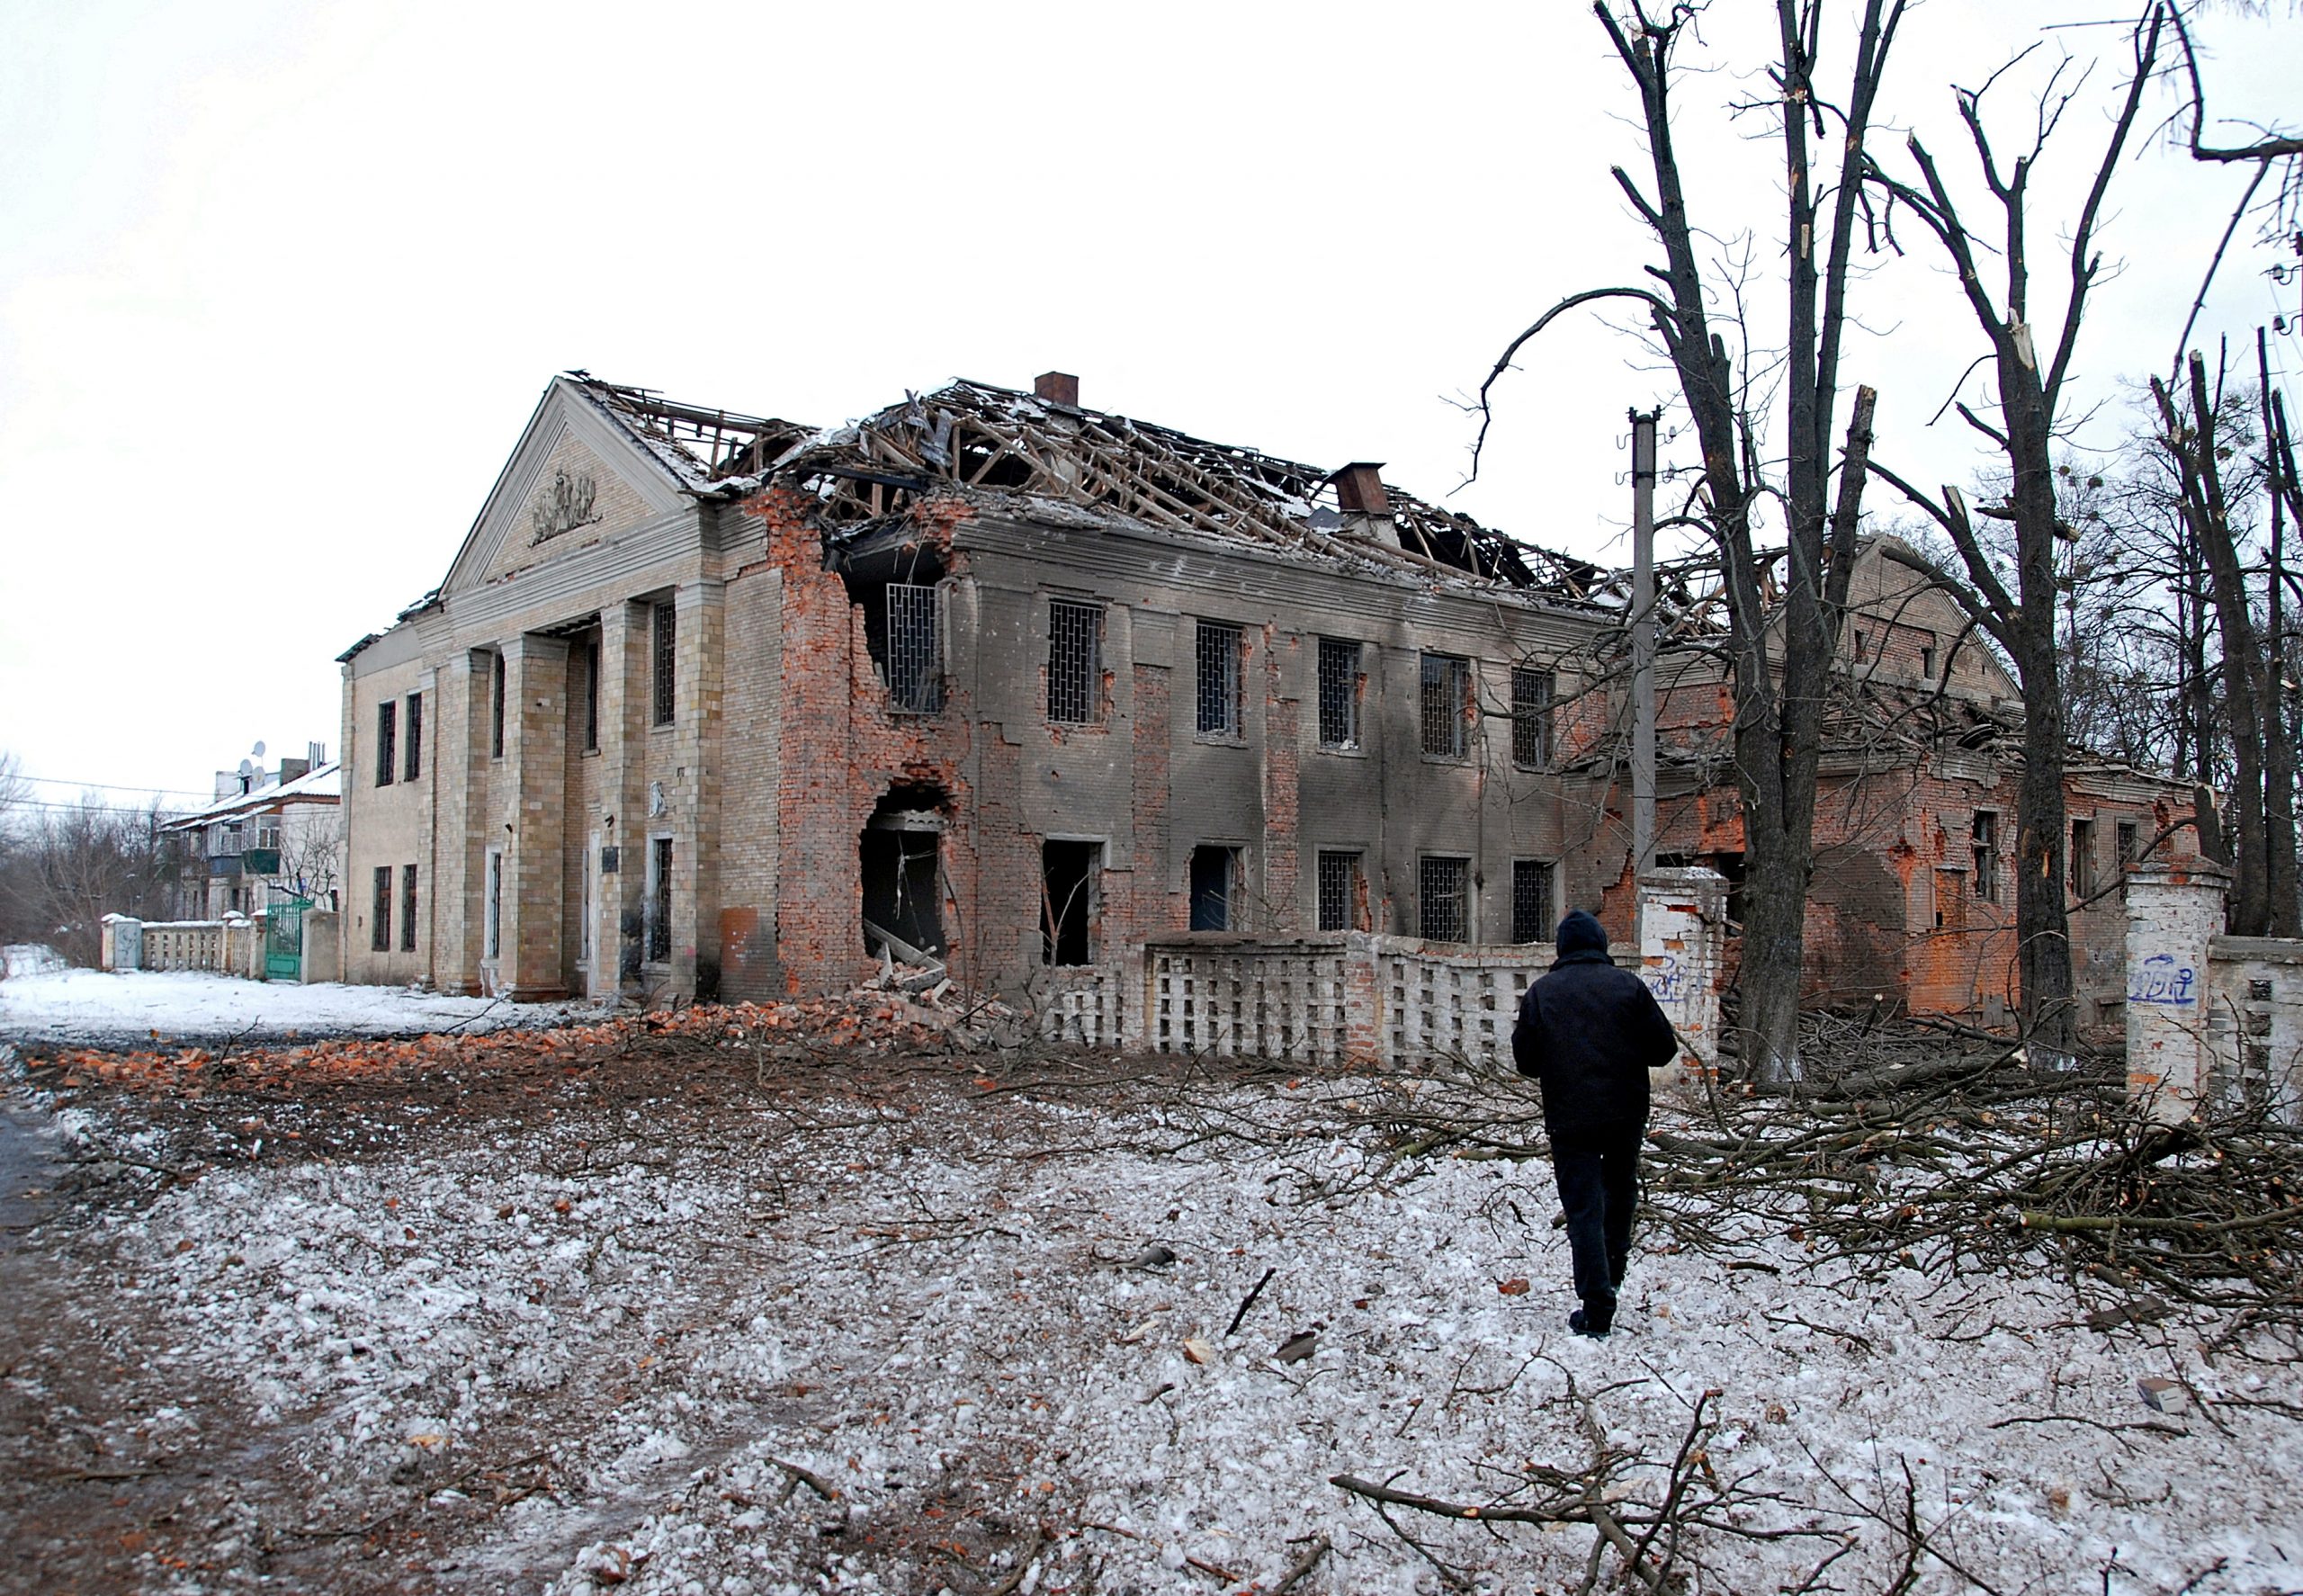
<point>387,755</point>
<point>1927,662</point>
<point>380,912</point>
<point>1531,704</point>
<point>496,705</point>
<point>1534,917</point>
<point>1069,907</point>
<point>1075,662</point>
<point>1341,685</point>
<point>1214,889</point>
<point>1985,843</point>
<point>1443,901</point>
<point>1218,679</point>
<point>666,655</point>
<point>915,649</point>
<point>2083,858</point>
<point>659,898</point>
<point>1446,698</point>
<point>415,766</point>
<point>408,909</point>
<point>1340,894</point>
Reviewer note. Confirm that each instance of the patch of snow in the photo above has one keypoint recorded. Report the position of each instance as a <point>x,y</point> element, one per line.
<point>51,1005</point>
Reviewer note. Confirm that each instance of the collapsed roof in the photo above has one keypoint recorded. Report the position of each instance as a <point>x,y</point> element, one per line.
<point>979,440</point>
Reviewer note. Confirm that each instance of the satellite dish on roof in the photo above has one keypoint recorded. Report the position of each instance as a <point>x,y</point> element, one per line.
<point>257,751</point>
<point>248,767</point>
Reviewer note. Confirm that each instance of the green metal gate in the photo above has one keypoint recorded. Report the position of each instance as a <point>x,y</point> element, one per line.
<point>283,939</point>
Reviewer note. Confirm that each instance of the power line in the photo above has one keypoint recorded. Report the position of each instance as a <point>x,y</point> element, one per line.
<point>65,781</point>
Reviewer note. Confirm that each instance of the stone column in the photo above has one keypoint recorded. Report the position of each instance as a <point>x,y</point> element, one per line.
<point>529,966</point>
<point>1682,926</point>
<point>623,798</point>
<point>2172,912</point>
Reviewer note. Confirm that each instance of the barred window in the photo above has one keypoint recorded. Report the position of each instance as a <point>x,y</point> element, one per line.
<point>1532,693</point>
<point>1985,843</point>
<point>1218,679</point>
<point>667,654</point>
<point>1444,899</point>
<point>408,909</point>
<point>915,649</point>
<point>386,758</point>
<point>1075,662</point>
<point>415,766</point>
<point>1340,891</point>
<point>1534,915</point>
<point>1446,705</point>
<point>1341,685</point>
<point>380,912</point>
<point>659,898</point>
<point>2123,837</point>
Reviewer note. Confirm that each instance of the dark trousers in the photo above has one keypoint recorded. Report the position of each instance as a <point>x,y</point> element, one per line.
<point>1598,1189</point>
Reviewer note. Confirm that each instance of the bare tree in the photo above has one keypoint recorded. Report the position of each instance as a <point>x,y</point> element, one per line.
<point>2030,372</point>
<point>74,863</point>
<point>1782,644</point>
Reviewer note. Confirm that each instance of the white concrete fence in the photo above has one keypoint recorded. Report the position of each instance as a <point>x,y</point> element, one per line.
<point>1367,1000</point>
<point>2212,1021</point>
<point>233,945</point>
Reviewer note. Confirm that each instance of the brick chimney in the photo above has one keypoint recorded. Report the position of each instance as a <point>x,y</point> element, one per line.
<point>1359,489</point>
<point>1367,507</point>
<point>1058,388</point>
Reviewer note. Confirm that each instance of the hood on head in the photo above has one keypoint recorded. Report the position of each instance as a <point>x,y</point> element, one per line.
<point>1579,933</point>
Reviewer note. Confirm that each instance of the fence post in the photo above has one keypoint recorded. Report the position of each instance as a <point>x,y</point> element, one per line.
<point>2172,912</point>
<point>123,943</point>
<point>1682,926</point>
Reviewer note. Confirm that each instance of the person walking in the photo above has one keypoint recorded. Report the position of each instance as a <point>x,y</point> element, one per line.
<point>1590,1033</point>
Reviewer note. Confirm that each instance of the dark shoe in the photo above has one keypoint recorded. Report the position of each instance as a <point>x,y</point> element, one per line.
<point>1593,1322</point>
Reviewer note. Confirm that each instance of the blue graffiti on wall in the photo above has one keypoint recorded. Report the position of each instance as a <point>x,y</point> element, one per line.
<point>2164,979</point>
<point>1665,980</point>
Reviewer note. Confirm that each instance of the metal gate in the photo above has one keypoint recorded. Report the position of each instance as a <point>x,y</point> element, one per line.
<point>283,939</point>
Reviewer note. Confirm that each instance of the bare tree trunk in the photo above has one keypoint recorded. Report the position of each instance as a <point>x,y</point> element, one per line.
<point>2278,739</point>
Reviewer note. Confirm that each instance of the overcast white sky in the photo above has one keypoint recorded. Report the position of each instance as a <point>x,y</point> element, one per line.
<point>280,282</point>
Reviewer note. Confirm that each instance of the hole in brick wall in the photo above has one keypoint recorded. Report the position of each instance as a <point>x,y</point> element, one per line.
<point>1069,900</point>
<point>900,853</point>
<point>893,577</point>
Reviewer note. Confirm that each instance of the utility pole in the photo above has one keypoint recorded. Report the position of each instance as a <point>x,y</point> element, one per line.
<point>1642,645</point>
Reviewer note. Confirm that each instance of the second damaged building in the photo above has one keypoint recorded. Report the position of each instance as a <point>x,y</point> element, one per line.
<point>719,705</point>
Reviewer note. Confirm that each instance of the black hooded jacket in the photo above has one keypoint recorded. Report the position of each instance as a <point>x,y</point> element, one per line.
<point>1591,1031</point>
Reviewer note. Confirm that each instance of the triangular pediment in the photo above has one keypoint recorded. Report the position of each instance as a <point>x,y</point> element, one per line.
<point>576,478</point>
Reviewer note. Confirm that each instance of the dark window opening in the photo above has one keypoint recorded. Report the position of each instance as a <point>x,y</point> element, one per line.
<point>491,935</point>
<point>659,898</point>
<point>414,767</point>
<point>1444,899</point>
<point>1343,684</point>
<point>667,654</point>
<point>387,755</point>
<point>1342,905</point>
<point>1075,662</point>
<point>1927,662</point>
<point>2083,858</point>
<point>1984,841</point>
<point>894,584</point>
<point>1069,873</point>
<point>1447,696</point>
<point>1217,679</point>
<point>588,677</point>
<point>1215,887</point>
<point>1532,693</point>
<point>2123,836</point>
<point>380,911</point>
<point>497,684</point>
<point>1535,917</point>
<point>408,909</point>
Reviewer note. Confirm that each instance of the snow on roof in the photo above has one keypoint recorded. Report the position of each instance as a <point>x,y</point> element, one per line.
<point>322,785</point>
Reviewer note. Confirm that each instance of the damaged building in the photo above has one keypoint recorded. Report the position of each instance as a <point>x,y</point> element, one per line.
<point>724,705</point>
<point>719,705</point>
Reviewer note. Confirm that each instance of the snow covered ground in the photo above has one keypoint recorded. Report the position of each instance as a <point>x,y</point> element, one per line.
<point>621,1341</point>
<point>44,1002</point>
